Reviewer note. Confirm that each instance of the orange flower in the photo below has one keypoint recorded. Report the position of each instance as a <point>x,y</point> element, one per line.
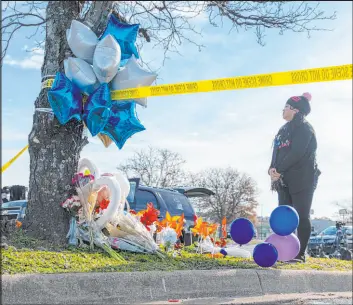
<point>178,229</point>
<point>204,229</point>
<point>103,204</point>
<point>180,225</point>
<point>196,229</point>
<point>175,222</point>
<point>223,242</point>
<point>18,224</point>
<point>212,228</point>
<point>224,227</point>
<point>149,216</point>
<point>216,255</point>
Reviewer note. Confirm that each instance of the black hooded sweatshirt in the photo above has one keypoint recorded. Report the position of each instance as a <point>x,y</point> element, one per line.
<point>294,155</point>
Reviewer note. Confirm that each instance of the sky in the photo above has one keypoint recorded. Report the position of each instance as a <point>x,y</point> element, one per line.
<point>217,129</point>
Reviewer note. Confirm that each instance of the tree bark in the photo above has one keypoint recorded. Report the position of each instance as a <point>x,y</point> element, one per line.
<point>55,149</point>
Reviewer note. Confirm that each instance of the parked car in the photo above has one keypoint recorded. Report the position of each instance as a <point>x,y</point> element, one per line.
<point>174,200</point>
<point>13,210</point>
<point>325,240</point>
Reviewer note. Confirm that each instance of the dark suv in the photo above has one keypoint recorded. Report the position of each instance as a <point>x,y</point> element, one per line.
<point>174,200</point>
<point>13,210</point>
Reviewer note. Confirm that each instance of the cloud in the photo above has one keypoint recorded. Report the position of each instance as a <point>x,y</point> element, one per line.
<point>33,61</point>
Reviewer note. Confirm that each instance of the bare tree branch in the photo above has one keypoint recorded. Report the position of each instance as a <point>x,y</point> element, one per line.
<point>235,194</point>
<point>168,24</point>
<point>344,205</point>
<point>28,14</point>
<point>156,167</point>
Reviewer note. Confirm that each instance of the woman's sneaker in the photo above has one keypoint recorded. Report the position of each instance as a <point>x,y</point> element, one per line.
<point>300,259</point>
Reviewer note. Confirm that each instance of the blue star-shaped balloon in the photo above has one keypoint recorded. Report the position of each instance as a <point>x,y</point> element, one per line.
<point>96,110</point>
<point>65,99</point>
<point>117,120</point>
<point>125,34</point>
<point>122,123</point>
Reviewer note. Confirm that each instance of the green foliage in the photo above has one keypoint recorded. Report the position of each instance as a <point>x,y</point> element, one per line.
<point>83,260</point>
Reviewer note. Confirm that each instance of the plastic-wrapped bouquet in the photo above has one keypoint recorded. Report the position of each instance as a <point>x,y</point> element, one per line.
<point>88,208</point>
<point>88,234</point>
<point>74,207</point>
<point>132,234</point>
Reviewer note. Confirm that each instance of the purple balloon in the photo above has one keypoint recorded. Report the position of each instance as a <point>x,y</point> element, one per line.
<point>287,246</point>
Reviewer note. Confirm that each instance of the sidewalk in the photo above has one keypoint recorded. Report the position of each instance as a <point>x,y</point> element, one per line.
<point>317,298</point>
<point>145,287</point>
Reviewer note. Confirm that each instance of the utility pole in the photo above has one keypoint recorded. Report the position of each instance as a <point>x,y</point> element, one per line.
<point>262,219</point>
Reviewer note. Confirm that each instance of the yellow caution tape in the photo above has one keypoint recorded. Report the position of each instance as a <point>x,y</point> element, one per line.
<point>324,74</point>
<point>48,83</point>
<point>6,165</point>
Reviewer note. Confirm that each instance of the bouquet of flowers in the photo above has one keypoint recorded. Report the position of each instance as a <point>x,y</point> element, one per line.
<point>128,228</point>
<point>88,206</point>
<point>86,233</point>
<point>72,205</point>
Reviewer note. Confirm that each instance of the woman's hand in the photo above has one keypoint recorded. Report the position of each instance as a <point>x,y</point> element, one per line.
<point>274,175</point>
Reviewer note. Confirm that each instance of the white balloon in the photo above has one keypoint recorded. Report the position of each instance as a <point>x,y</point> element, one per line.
<point>133,76</point>
<point>125,189</point>
<point>84,164</point>
<point>66,69</point>
<point>237,252</point>
<point>124,183</point>
<point>81,74</point>
<point>133,71</point>
<point>106,59</point>
<point>113,206</point>
<point>169,235</point>
<point>82,41</point>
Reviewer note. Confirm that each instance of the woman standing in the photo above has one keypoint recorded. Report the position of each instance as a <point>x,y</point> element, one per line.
<point>294,173</point>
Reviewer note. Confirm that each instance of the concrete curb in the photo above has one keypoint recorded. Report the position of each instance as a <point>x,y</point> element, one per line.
<point>144,287</point>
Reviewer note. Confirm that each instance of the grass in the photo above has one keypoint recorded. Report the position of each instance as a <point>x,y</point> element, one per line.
<point>27,259</point>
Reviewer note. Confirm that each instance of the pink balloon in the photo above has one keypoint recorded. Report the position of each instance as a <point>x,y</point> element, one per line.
<point>287,246</point>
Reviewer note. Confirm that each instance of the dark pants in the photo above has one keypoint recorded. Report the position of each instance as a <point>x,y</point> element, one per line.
<point>301,201</point>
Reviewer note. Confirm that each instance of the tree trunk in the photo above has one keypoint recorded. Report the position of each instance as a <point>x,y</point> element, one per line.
<point>55,149</point>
